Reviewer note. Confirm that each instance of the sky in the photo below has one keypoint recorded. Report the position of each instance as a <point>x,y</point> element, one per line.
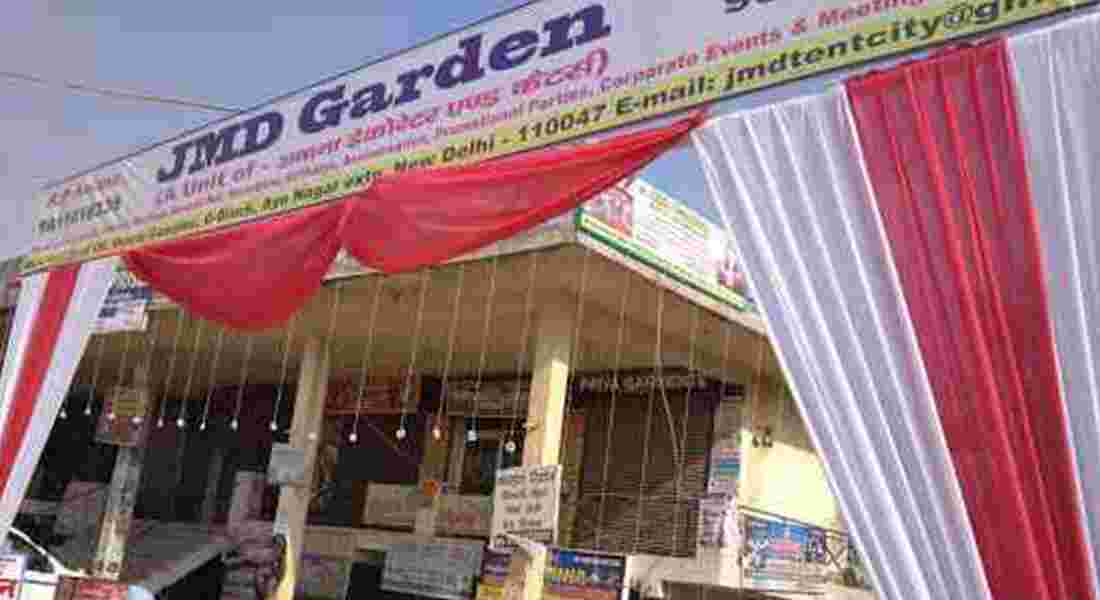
<point>229,53</point>
<point>234,53</point>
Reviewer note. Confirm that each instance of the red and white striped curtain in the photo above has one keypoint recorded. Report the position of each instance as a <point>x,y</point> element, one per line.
<point>53,321</point>
<point>923,244</point>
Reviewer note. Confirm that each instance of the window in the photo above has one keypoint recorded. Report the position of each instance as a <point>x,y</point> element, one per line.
<point>36,561</point>
<point>480,461</point>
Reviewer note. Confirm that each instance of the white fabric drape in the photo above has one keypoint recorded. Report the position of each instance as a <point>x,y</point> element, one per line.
<point>1057,88</point>
<point>92,285</point>
<point>790,185</point>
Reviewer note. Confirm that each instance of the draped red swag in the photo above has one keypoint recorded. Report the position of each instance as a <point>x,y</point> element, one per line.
<point>951,185</point>
<point>258,275</point>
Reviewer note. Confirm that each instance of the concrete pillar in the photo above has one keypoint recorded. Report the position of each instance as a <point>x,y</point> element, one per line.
<point>545,417</point>
<point>305,433</point>
<point>114,529</point>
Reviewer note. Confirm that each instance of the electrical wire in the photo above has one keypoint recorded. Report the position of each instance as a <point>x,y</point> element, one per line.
<point>119,94</point>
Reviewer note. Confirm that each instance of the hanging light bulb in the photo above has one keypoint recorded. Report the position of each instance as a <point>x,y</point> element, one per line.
<point>160,423</point>
<point>401,433</point>
<point>312,436</point>
<point>234,424</point>
<point>471,435</point>
<point>88,410</point>
<point>510,447</point>
<point>180,423</point>
<point>136,420</point>
<point>437,433</point>
<point>353,438</point>
<point>111,416</point>
<point>202,426</point>
<point>274,427</point>
<point>64,414</point>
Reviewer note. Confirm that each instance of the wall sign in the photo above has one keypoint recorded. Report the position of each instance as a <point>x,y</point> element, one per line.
<point>437,570</point>
<point>526,502</point>
<point>543,73</point>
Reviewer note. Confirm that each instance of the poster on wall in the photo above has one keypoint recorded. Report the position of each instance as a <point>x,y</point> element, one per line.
<point>642,222</point>
<point>12,568</point>
<point>323,577</point>
<point>445,570</point>
<point>781,556</point>
<point>724,471</point>
<point>570,575</point>
<point>526,504</point>
<point>543,73</point>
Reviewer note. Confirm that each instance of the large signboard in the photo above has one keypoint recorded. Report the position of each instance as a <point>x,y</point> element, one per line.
<point>646,224</point>
<point>546,72</point>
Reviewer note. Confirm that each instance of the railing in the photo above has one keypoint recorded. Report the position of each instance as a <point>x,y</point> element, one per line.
<point>779,553</point>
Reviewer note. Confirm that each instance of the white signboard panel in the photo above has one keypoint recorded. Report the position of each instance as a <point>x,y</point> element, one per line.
<point>543,73</point>
<point>526,502</point>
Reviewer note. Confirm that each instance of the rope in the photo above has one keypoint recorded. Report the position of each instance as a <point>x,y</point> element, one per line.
<point>95,376</point>
<point>151,342</point>
<point>484,346</point>
<point>213,378</point>
<point>274,426</point>
<point>425,278</point>
<point>574,348</point>
<point>121,371</point>
<point>367,351</point>
<point>521,357</point>
<point>450,345</point>
<point>182,418</point>
<point>649,423</point>
<point>171,369</point>
<point>235,423</point>
<point>611,410</point>
<point>682,460</point>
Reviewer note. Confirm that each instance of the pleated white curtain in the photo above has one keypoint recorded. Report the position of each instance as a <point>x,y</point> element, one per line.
<point>790,185</point>
<point>1057,88</point>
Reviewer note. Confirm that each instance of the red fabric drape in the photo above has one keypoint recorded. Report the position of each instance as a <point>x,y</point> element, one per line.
<point>426,217</point>
<point>250,277</point>
<point>257,275</point>
<point>48,319</point>
<point>945,158</point>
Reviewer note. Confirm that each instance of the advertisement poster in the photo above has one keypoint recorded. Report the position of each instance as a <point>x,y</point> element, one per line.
<point>445,570</point>
<point>12,568</point>
<point>526,502</point>
<point>650,226</point>
<point>725,452</point>
<point>571,575</point>
<point>541,74</point>
<point>125,306</point>
<point>782,556</point>
<point>718,516</point>
<point>323,577</point>
<point>123,421</point>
